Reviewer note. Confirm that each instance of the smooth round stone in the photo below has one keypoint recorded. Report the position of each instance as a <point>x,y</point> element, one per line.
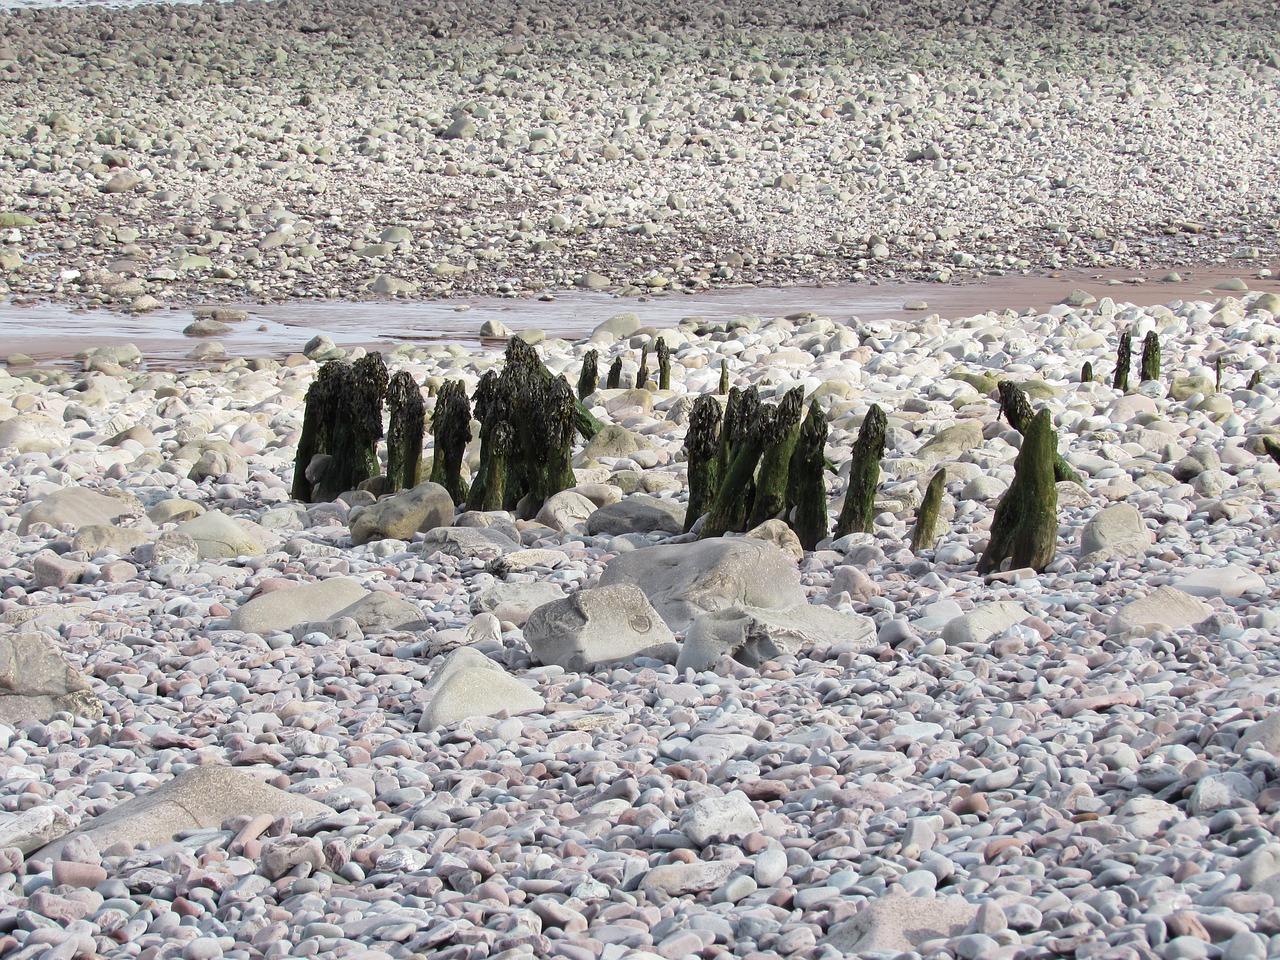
<point>770,866</point>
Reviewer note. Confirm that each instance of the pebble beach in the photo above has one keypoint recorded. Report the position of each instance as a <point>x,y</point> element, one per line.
<point>235,725</point>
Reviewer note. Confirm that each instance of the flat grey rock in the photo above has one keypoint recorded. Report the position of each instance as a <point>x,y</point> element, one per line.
<point>752,635</point>
<point>516,601</point>
<point>637,514</point>
<point>1165,607</point>
<point>218,537</point>
<point>36,681</point>
<point>286,608</point>
<point>401,515</point>
<point>198,797</point>
<point>897,924</point>
<point>1115,532</point>
<point>591,628</point>
<point>468,543</point>
<point>381,610</point>
<point>76,507</point>
<point>469,684</point>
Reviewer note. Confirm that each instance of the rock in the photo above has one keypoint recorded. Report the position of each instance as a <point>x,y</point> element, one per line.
<point>468,543</point>
<point>462,128</point>
<point>36,681</point>
<point>484,627</point>
<point>387,284</point>
<point>172,548</point>
<point>174,510</point>
<point>75,507</point>
<point>1262,735</point>
<point>33,433</point>
<point>206,327</point>
<point>99,538</point>
<point>566,510</point>
<point>592,281</point>
<point>284,609</point>
<point>1147,817</point>
<point>684,580</point>
<point>720,819</point>
<point>122,182</point>
<point>679,879</point>
<point>1232,285</point>
<point>51,570</point>
<point>637,513</point>
<point>1228,581</point>
<point>897,924</point>
<point>951,442</point>
<point>1166,607</point>
<point>218,537</point>
<point>515,602</point>
<point>752,635</point>
<point>984,623</point>
<point>400,516</point>
<point>1221,791</point>
<point>32,829</point>
<point>469,684</point>
<point>591,628</point>
<point>1115,532</point>
<point>495,330</point>
<point>381,610</point>
<point>612,441</point>
<point>218,463</point>
<point>620,325</point>
<point>1079,298</point>
<point>781,536</point>
<point>198,797</point>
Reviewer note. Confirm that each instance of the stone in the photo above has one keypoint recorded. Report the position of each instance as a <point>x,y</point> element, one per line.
<point>605,625</point>
<point>984,623</point>
<point>1263,734</point>
<point>620,325</point>
<point>51,570</point>
<point>1228,581</point>
<point>1147,817</point>
<point>566,510</point>
<point>174,510</point>
<point>199,797</point>
<point>495,330</point>
<point>34,828</point>
<point>897,924</point>
<point>469,684</point>
<point>1166,607</point>
<point>679,879</point>
<point>1115,532</point>
<point>752,635</point>
<point>781,536</point>
<point>685,580</point>
<point>36,681</point>
<point>75,507</point>
<point>1221,791</point>
<point>952,441</point>
<point>99,538</point>
<point>33,433</point>
<point>468,543</point>
<point>172,548</point>
<point>218,537</point>
<point>284,609</point>
<point>612,441</point>
<point>720,819</point>
<point>637,513</point>
<point>484,627</point>
<point>400,516</point>
<point>514,602</point>
<point>382,611</point>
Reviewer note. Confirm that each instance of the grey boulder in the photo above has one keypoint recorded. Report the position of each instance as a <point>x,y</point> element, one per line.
<point>401,515</point>
<point>686,580</point>
<point>286,608</point>
<point>898,924</point>
<point>218,537</point>
<point>752,635</point>
<point>613,624</point>
<point>516,601</point>
<point>76,507</point>
<point>468,543</point>
<point>469,684</point>
<point>36,681</point>
<point>637,514</point>
<point>1113,533</point>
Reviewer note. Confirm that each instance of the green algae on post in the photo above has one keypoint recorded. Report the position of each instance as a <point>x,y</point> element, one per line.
<point>614,380</point>
<point>405,432</point>
<point>723,388</point>
<point>1151,356</point>
<point>318,415</point>
<point>589,378</point>
<point>664,365</point>
<point>1017,410</point>
<point>806,480</point>
<point>493,409</point>
<point>642,375</point>
<point>702,449</point>
<point>925,532</point>
<point>770,500</point>
<point>864,475</point>
<point>1025,527</point>
<point>450,430</point>
<point>1124,357</point>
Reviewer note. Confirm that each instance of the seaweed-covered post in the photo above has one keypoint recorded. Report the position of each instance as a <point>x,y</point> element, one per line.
<point>642,375</point>
<point>775,459</point>
<point>614,380</point>
<point>493,410</point>
<point>733,502</point>
<point>404,435</point>
<point>702,448</point>
<point>864,475</point>
<point>664,365</point>
<point>1017,410</point>
<point>1025,527</point>
<point>1254,380</point>
<point>1124,356</point>
<point>320,411</point>
<point>1086,372</point>
<point>589,379</point>
<point>724,377</point>
<point>1217,374</point>
<point>1151,356</point>
<point>357,428</point>
<point>806,484</point>
<point>925,532</point>
<point>450,430</point>
<point>544,416</point>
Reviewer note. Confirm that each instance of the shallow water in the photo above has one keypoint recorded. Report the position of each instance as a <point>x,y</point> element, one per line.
<point>54,333</point>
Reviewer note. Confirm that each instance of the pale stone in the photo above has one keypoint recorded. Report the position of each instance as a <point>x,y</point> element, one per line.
<point>284,609</point>
<point>1166,607</point>
<point>611,624</point>
<point>469,684</point>
<point>218,537</point>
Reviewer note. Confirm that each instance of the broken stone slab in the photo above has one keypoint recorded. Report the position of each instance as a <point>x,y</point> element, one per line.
<point>1229,581</point>
<point>898,924</point>
<point>219,537</point>
<point>678,879</point>
<point>752,635</point>
<point>468,543</point>
<point>605,625</point>
<point>76,507</point>
<point>36,681</point>
<point>284,609</point>
<point>201,797</point>
<point>400,516</point>
<point>469,684</point>
<point>485,628</point>
<point>382,611</point>
<point>983,623</point>
<point>1167,608</point>
<point>685,580</point>
<point>516,601</point>
<point>34,828</point>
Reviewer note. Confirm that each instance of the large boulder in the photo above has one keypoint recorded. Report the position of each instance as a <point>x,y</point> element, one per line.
<point>36,681</point>
<point>685,580</point>
<point>284,609</point>
<point>637,514</point>
<point>400,516</point>
<point>468,543</point>
<point>612,442</point>
<point>380,610</point>
<point>516,601</point>
<point>984,622</point>
<point>76,507</point>
<point>891,925</point>
<point>1113,533</point>
<point>952,441</point>
<point>33,433</point>
<point>591,628</point>
<point>218,537</point>
<point>566,510</point>
<point>200,797</point>
<point>1167,608</point>
<point>469,684</point>
<point>752,635</point>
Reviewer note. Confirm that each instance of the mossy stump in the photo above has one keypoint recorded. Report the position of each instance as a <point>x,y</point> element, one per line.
<point>1151,356</point>
<point>405,432</point>
<point>702,453</point>
<point>450,431</point>
<point>664,365</point>
<point>1017,410</point>
<point>320,411</point>
<point>926,530</point>
<point>614,380</point>
<point>770,499</point>
<point>806,480</point>
<point>356,427</point>
<point>1025,527</point>
<point>589,378</point>
<point>1086,372</point>
<point>1124,357</point>
<point>858,512</point>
